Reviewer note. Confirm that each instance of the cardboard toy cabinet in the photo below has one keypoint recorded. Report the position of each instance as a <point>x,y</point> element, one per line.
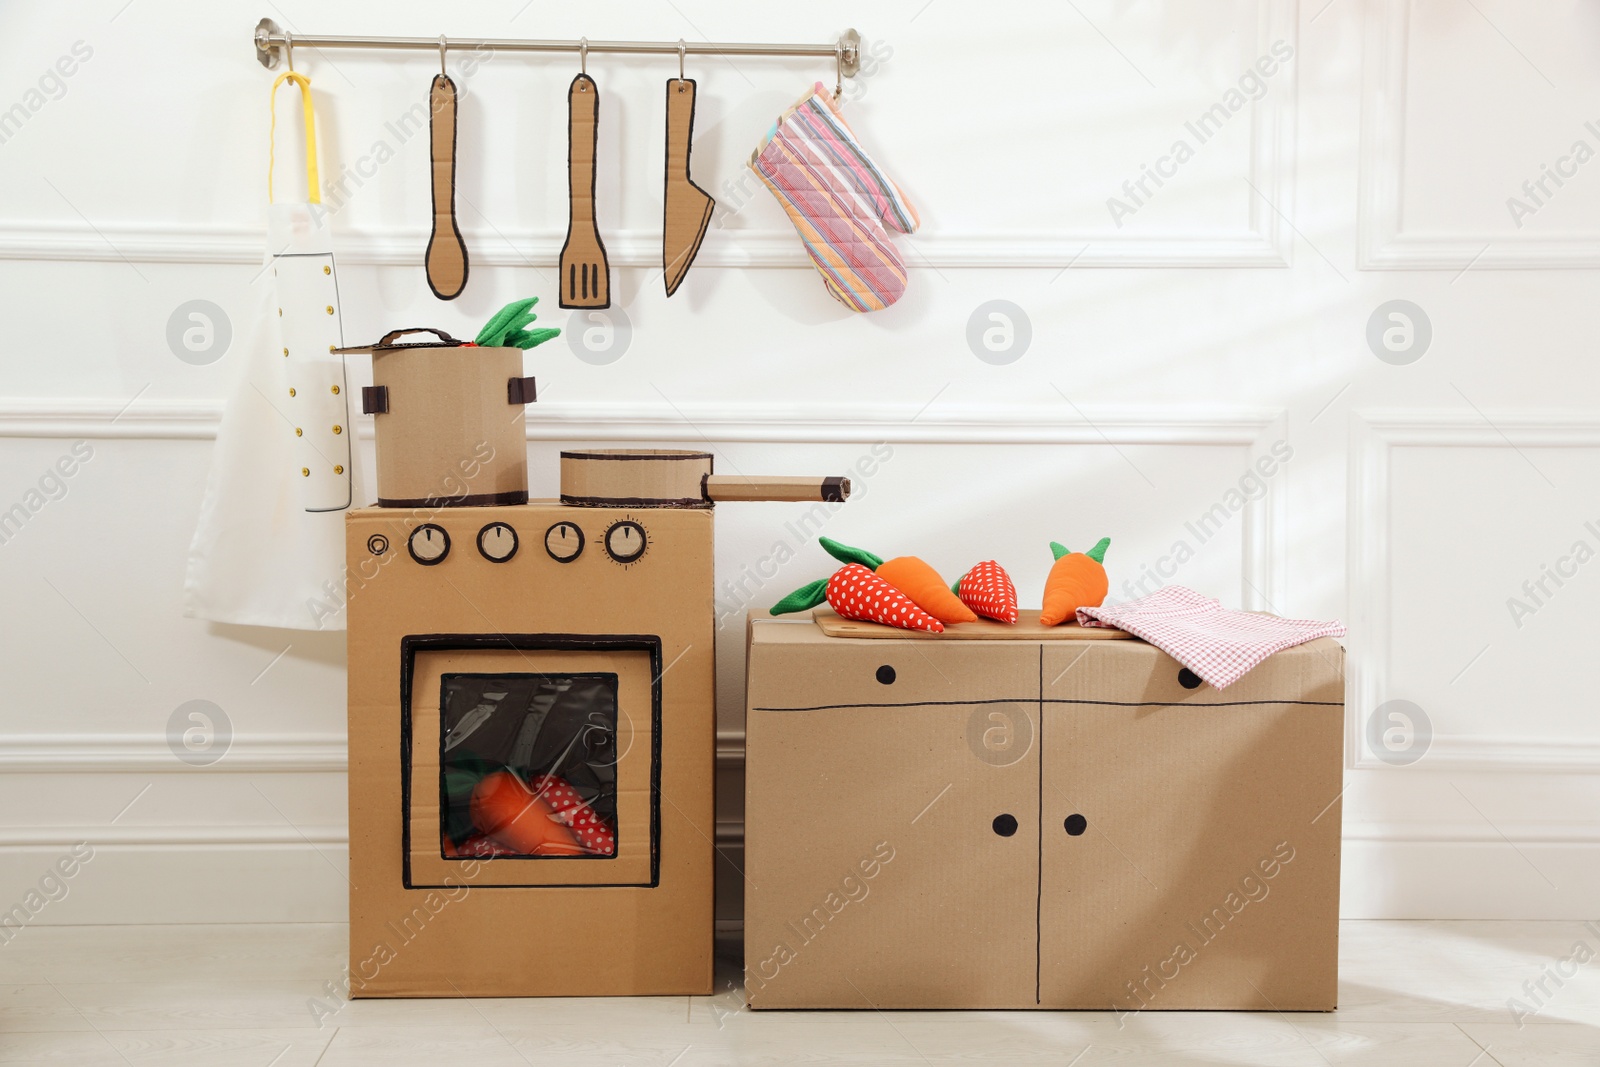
<point>1038,823</point>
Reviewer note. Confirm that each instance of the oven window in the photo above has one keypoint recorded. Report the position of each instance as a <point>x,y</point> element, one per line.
<point>528,765</point>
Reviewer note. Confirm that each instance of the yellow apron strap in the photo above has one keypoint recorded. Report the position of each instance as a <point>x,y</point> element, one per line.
<point>313,186</point>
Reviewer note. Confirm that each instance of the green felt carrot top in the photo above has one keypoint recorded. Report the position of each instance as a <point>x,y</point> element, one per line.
<point>847,554</point>
<point>1097,553</point>
<point>511,327</point>
<point>806,597</point>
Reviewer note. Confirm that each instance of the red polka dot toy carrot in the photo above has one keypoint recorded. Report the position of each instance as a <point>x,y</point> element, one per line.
<point>987,589</point>
<point>855,592</point>
<point>912,576</point>
<point>590,830</point>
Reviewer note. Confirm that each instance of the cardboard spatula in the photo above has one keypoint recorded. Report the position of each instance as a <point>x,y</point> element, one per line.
<point>688,207</point>
<point>447,252</point>
<point>585,275</point>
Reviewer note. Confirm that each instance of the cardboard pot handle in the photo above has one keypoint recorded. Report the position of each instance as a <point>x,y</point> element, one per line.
<point>393,335</point>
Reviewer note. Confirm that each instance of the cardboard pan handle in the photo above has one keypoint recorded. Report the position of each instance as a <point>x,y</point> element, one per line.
<point>721,487</point>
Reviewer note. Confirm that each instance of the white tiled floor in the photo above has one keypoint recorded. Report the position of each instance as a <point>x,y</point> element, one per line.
<point>1411,994</point>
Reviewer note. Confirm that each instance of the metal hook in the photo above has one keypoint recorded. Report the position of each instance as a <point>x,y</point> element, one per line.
<point>442,45</point>
<point>583,56</point>
<point>288,48</point>
<point>682,49</point>
<point>838,70</point>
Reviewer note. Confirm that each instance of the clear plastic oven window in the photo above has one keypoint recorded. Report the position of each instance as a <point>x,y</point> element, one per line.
<point>528,766</point>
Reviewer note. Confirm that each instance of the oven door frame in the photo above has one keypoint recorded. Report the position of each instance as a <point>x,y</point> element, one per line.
<point>413,644</point>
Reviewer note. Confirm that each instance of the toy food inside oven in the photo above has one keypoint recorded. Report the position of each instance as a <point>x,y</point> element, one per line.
<point>537,765</point>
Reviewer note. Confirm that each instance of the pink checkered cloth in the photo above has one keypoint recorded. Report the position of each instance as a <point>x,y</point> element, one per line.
<point>1220,646</point>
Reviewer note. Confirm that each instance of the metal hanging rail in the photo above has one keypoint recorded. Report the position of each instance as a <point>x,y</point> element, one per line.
<point>274,44</point>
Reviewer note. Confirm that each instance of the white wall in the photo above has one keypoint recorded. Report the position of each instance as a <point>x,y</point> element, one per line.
<point>1227,313</point>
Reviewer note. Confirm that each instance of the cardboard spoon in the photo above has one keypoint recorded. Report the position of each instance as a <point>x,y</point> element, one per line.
<point>447,252</point>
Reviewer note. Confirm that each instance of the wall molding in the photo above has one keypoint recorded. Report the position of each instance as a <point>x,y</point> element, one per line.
<point>181,837</point>
<point>1485,752</point>
<point>822,423</point>
<point>138,754</point>
<point>1478,833</point>
<point>114,753</point>
<point>1374,437</point>
<point>1273,132</point>
<point>1383,243</point>
<point>141,754</point>
<point>117,753</point>
<point>218,244</point>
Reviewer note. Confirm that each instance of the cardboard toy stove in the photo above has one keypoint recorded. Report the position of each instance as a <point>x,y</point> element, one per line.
<point>531,717</point>
<point>1028,817</point>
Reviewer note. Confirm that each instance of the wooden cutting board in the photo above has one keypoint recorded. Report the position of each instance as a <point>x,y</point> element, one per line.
<point>1027,628</point>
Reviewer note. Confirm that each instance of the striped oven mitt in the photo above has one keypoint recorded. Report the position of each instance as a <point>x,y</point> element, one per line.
<point>839,200</point>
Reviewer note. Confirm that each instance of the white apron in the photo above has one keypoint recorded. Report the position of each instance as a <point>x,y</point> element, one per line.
<point>269,547</point>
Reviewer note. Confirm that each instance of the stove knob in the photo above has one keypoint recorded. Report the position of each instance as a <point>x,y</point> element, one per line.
<point>564,542</point>
<point>497,542</point>
<point>626,541</point>
<point>429,544</point>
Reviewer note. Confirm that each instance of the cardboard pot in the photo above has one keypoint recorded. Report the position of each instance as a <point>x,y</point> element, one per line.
<point>449,422</point>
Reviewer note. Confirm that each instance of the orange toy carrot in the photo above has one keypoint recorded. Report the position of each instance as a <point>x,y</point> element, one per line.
<point>511,815</point>
<point>1076,580</point>
<point>913,577</point>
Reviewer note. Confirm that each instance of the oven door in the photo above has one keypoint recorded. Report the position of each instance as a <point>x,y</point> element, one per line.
<point>531,760</point>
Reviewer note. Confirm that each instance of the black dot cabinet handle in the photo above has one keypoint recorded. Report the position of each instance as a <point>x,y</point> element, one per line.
<point>1005,825</point>
<point>1188,679</point>
<point>1075,824</point>
<point>885,674</point>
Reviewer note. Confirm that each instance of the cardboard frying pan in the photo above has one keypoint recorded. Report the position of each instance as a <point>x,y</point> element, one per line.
<point>447,252</point>
<point>688,207</point>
